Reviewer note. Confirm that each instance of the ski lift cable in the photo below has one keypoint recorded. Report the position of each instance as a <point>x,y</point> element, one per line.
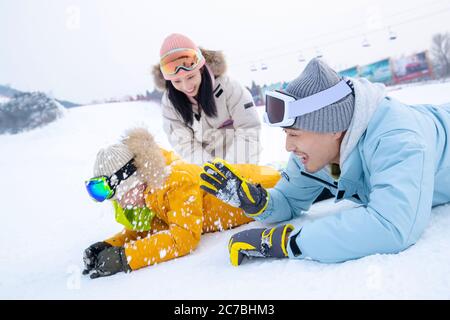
<point>359,35</point>
<point>441,11</point>
<point>359,25</point>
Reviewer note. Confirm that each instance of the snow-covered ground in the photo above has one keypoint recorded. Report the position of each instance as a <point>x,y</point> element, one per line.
<point>48,219</point>
<point>3,99</point>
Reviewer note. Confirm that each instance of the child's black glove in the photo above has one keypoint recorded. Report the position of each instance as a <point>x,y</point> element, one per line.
<point>221,180</point>
<point>110,261</point>
<point>262,243</point>
<point>91,253</point>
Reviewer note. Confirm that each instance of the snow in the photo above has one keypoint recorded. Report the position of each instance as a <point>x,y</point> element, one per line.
<point>229,195</point>
<point>48,220</point>
<point>4,99</point>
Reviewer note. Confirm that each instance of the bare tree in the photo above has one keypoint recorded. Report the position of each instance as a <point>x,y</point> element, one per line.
<point>440,50</point>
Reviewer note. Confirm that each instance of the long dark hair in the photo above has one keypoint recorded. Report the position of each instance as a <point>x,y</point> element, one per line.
<point>205,99</point>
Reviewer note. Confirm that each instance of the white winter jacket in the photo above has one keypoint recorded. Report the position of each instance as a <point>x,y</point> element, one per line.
<point>233,135</point>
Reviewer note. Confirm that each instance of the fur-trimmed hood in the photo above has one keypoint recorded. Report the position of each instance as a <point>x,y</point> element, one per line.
<point>214,59</point>
<point>148,158</point>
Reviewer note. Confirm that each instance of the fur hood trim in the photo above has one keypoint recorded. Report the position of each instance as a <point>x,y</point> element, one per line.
<point>148,158</point>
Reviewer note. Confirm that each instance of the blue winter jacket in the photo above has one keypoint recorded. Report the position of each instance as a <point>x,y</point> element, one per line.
<point>399,170</point>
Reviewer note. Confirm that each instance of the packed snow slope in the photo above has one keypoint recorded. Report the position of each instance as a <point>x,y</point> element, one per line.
<point>48,220</point>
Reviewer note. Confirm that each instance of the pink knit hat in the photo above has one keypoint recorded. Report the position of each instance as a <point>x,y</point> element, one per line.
<point>177,41</point>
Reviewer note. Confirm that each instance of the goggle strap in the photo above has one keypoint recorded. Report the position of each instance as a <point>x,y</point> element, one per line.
<point>123,173</point>
<point>319,100</point>
<point>199,53</point>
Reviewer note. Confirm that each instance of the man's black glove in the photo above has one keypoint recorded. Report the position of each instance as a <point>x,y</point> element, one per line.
<point>91,253</point>
<point>262,243</point>
<point>110,261</point>
<point>221,180</point>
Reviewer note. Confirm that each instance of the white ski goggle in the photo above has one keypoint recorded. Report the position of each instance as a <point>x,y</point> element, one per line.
<point>282,108</point>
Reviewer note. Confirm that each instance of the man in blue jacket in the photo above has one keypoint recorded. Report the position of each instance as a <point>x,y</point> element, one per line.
<point>348,136</point>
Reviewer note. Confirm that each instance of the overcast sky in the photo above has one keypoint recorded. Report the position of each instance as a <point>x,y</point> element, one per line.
<point>95,49</point>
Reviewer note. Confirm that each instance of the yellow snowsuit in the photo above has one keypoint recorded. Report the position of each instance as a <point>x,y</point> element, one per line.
<point>183,211</point>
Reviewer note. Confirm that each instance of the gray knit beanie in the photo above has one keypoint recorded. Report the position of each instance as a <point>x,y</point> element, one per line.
<point>316,77</point>
<point>109,160</point>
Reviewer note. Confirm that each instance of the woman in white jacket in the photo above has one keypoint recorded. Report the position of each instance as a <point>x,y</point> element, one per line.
<point>205,113</point>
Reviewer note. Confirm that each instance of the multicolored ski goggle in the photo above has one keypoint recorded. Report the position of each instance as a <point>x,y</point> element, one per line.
<point>181,58</point>
<point>103,187</point>
<point>282,108</point>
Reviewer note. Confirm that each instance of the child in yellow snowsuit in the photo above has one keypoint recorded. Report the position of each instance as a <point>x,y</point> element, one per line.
<point>177,211</point>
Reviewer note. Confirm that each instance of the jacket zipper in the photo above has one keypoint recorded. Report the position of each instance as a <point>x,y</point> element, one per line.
<point>320,180</point>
